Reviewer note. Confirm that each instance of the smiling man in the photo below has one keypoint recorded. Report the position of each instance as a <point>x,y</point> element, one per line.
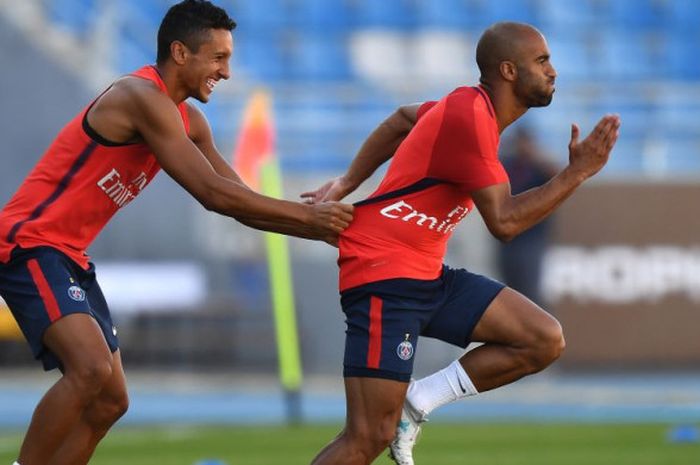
<point>97,164</point>
<point>394,286</point>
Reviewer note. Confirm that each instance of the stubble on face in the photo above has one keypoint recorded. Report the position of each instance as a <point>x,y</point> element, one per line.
<point>533,90</point>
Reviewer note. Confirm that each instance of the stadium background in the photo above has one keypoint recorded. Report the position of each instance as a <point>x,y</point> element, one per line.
<point>189,289</point>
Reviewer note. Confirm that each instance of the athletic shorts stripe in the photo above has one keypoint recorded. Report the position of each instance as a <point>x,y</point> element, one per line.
<point>374,352</point>
<point>52,308</point>
<point>42,285</point>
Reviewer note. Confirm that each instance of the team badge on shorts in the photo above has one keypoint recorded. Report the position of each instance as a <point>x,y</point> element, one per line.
<point>76,293</point>
<point>405,349</point>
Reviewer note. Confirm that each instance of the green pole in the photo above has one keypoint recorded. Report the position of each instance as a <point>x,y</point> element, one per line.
<point>282,293</point>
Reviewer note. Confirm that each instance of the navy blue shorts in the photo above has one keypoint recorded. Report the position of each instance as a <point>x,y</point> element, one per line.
<point>385,318</point>
<point>41,285</point>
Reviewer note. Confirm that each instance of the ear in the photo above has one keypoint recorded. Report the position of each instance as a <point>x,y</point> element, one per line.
<point>179,52</point>
<point>509,71</point>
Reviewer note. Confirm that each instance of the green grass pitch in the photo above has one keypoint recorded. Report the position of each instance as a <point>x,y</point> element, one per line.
<point>441,444</point>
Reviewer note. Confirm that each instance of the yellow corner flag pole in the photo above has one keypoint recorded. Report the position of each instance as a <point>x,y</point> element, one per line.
<point>282,290</point>
<point>254,161</point>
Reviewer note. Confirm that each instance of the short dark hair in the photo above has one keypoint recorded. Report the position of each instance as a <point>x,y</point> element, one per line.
<point>189,22</point>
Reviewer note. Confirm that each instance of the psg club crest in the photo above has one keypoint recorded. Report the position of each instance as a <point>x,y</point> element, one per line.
<point>405,349</point>
<point>76,293</point>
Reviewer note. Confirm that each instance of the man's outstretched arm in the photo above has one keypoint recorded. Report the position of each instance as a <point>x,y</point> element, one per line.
<point>506,216</point>
<point>377,148</point>
<point>157,120</point>
<point>201,135</point>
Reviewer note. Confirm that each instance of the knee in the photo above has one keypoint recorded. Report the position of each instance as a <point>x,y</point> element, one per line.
<point>384,434</point>
<point>112,409</point>
<point>115,407</point>
<point>90,377</point>
<point>548,346</point>
<point>370,440</point>
<point>105,411</point>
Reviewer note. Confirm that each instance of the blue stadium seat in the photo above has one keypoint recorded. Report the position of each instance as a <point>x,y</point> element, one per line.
<point>683,15</point>
<point>399,14</point>
<point>75,16</point>
<point>454,14</point>
<point>137,28</point>
<point>491,11</point>
<point>258,13</point>
<point>222,116</point>
<point>131,55</point>
<point>677,118</point>
<point>635,115</point>
<point>626,54</point>
<point>150,12</point>
<point>642,14</point>
<point>566,14</point>
<point>320,57</point>
<point>570,56</point>
<point>681,55</point>
<point>335,15</point>
<point>259,56</point>
<point>626,158</point>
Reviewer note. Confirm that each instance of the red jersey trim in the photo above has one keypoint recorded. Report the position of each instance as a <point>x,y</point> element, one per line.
<point>418,186</point>
<point>62,186</point>
<point>95,136</point>
<point>486,98</point>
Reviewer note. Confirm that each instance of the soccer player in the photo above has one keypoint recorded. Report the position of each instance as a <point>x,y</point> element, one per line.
<point>394,286</point>
<point>97,164</point>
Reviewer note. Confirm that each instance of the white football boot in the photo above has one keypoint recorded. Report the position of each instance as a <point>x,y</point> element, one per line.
<point>407,431</point>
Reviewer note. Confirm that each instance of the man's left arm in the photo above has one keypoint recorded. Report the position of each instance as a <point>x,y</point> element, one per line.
<point>376,149</point>
<point>201,135</point>
<point>506,215</point>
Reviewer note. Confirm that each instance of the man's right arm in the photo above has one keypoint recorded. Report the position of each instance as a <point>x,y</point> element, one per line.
<point>506,216</point>
<point>156,119</point>
<point>377,149</point>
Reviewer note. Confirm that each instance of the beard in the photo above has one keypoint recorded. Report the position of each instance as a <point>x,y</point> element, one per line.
<point>533,92</point>
<point>539,99</point>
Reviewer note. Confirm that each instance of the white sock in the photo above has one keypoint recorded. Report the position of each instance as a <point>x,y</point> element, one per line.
<point>441,388</point>
<point>16,463</point>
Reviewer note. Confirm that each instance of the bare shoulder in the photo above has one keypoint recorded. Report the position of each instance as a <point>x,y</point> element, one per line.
<point>136,110</point>
<point>118,113</point>
<point>128,97</point>
<point>199,126</point>
<point>195,114</point>
<point>137,93</point>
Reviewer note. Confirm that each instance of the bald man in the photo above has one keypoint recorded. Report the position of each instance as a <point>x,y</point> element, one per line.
<point>394,286</point>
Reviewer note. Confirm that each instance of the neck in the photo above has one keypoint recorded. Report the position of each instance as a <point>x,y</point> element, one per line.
<point>168,73</point>
<point>507,107</point>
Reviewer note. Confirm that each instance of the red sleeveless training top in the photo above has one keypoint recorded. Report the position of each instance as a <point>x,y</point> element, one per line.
<point>77,186</point>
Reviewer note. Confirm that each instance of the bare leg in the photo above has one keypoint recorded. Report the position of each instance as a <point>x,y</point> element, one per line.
<point>103,412</point>
<point>520,339</point>
<point>374,408</point>
<point>80,345</point>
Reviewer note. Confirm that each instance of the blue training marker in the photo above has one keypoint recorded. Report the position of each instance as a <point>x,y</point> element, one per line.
<point>684,434</point>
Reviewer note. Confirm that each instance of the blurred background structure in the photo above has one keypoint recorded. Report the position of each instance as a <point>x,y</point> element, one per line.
<point>189,289</point>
